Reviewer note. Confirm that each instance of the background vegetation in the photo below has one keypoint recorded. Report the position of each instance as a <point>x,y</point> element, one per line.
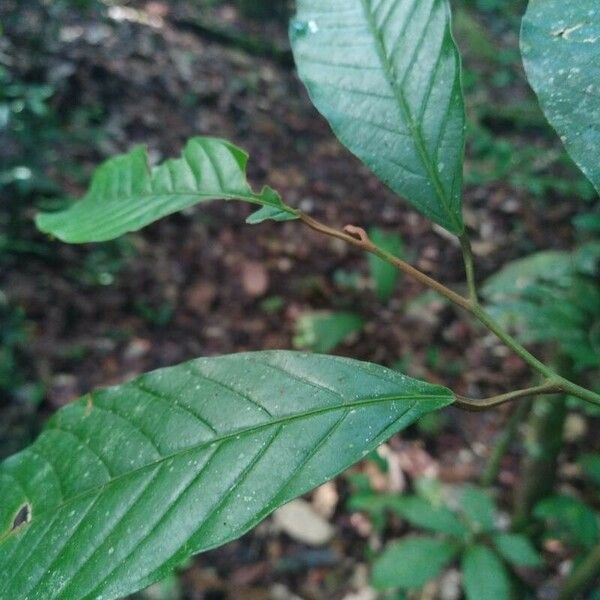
<point>80,81</point>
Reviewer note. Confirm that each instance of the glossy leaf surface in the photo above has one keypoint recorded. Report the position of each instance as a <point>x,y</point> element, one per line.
<point>126,194</point>
<point>126,483</point>
<point>560,42</point>
<point>386,75</point>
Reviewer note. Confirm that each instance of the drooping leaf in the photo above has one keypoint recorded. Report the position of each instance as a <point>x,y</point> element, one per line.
<point>127,482</point>
<point>323,331</point>
<point>560,42</point>
<point>517,549</point>
<point>412,562</point>
<point>126,194</point>
<point>384,275</point>
<point>386,75</point>
<point>484,575</point>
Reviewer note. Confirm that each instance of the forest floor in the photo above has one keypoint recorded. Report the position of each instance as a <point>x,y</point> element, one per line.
<point>203,283</point>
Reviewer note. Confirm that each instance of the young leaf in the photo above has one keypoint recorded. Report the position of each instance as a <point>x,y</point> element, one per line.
<point>323,331</point>
<point>412,562</point>
<point>384,275</point>
<point>560,42</point>
<point>386,75</point>
<point>484,575</point>
<point>127,482</point>
<point>517,549</point>
<point>126,195</point>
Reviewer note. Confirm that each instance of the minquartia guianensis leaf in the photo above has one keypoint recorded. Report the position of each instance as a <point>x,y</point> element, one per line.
<point>126,195</point>
<point>560,42</point>
<point>126,483</point>
<point>386,75</point>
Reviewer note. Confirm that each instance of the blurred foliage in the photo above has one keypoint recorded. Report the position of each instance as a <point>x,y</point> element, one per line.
<point>569,519</point>
<point>15,383</point>
<point>508,138</point>
<point>552,296</point>
<point>464,520</point>
<point>385,276</point>
<point>323,331</point>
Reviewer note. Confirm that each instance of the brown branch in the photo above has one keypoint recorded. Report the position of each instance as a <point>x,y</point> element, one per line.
<point>359,238</point>
<point>480,404</point>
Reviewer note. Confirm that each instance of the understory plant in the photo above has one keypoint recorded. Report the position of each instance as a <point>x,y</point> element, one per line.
<point>127,482</point>
<point>462,526</point>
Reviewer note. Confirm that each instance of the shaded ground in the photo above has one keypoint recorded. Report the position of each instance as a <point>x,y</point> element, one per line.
<point>202,283</point>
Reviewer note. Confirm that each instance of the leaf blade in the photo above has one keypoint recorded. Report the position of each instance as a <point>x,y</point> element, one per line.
<point>126,195</point>
<point>412,562</point>
<point>379,73</point>
<point>138,477</point>
<point>517,549</point>
<point>561,54</point>
<point>485,577</point>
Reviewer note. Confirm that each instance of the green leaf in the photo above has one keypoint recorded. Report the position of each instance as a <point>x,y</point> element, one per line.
<point>126,195</point>
<point>551,296</point>
<point>386,75</point>
<point>484,575</point>
<point>384,275</point>
<point>323,331</point>
<point>560,42</point>
<point>422,513</point>
<point>517,549</point>
<point>570,519</point>
<point>590,463</point>
<point>270,213</point>
<point>412,562</point>
<point>416,510</point>
<point>478,508</point>
<point>126,483</point>
<point>549,265</point>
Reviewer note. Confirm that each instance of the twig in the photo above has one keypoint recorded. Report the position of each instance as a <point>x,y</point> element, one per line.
<point>358,237</point>
<point>477,405</point>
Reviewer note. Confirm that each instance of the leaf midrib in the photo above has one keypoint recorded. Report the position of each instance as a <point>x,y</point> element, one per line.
<point>251,197</point>
<point>224,437</point>
<point>414,127</point>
